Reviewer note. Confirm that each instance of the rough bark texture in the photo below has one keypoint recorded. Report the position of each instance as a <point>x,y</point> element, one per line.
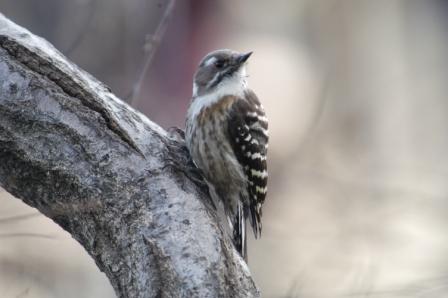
<point>117,182</point>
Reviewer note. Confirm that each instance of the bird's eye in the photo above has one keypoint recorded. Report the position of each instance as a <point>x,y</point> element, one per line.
<point>219,64</point>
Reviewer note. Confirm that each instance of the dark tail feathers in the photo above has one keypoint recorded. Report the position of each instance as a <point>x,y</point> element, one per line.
<point>239,231</point>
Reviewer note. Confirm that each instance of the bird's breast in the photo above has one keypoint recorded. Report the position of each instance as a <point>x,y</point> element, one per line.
<point>208,142</point>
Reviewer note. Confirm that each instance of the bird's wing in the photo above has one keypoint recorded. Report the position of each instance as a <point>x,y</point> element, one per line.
<point>248,132</point>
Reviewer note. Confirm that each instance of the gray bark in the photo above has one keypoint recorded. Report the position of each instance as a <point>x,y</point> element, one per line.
<point>118,183</point>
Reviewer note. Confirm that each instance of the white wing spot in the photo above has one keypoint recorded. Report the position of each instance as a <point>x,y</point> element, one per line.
<point>261,129</point>
<point>261,189</point>
<point>263,119</point>
<point>254,141</point>
<point>257,155</point>
<point>259,174</point>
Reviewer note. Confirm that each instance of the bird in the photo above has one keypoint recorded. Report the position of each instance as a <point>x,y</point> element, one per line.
<point>227,137</point>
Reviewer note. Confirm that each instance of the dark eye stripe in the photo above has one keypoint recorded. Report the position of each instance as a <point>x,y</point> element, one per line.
<point>219,64</point>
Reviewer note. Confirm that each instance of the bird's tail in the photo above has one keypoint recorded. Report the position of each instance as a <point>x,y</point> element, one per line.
<point>239,231</point>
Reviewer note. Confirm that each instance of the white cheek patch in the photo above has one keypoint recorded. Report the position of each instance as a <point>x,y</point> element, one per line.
<point>243,71</point>
<point>213,81</point>
<point>210,61</point>
<point>243,75</point>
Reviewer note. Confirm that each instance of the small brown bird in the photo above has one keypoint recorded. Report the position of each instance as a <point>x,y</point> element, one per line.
<point>227,136</point>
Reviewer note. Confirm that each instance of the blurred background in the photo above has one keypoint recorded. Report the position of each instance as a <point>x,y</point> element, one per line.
<point>356,95</point>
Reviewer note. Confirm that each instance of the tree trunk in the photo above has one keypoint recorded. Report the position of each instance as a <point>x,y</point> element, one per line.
<point>118,183</point>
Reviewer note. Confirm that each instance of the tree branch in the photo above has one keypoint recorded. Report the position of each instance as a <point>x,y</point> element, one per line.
<point>152,42</point>
<point>117,182</point>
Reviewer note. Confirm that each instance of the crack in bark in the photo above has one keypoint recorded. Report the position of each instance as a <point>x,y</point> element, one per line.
<point>165,272</point>
<point>39,65</point>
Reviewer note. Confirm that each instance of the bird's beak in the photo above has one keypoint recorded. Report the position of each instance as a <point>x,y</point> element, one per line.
<point>240,59</point>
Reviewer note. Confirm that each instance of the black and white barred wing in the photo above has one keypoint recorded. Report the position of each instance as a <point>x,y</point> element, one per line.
<point>248,130</point>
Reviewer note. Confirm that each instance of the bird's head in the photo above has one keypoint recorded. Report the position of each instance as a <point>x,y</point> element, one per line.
<point>220,69</point>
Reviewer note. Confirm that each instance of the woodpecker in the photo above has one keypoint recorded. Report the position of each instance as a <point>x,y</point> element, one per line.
<point>227,137</point>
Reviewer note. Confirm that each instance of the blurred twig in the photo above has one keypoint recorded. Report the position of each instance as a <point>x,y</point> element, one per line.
<point>32,235</point>
<point>152,42</point>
